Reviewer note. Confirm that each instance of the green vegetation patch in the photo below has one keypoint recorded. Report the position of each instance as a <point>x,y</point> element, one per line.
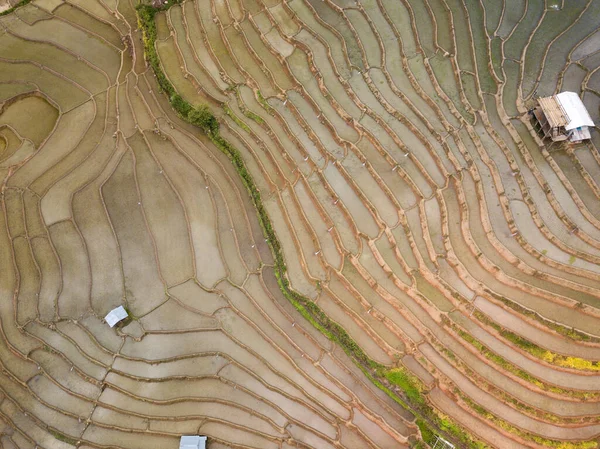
<point>62,437</point>
<point>524,434</point>
<point>553,358</point>
<point>252,116</point>
<point>247,112</point>
<point>407,382</point>
<point>18,5</point>
<point>559,328</point>
<point>487,415</point>
<point>263,102</point>
<point>531,348</point>
<point>508,366</point>
<point>236,119</point>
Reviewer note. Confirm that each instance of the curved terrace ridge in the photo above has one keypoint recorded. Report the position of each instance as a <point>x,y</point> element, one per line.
<point>331,224</point>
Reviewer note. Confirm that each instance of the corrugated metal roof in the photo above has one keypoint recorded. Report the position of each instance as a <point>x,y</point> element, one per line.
<point>577,114</point>
<point>116,315</point>
<point>192,442</point>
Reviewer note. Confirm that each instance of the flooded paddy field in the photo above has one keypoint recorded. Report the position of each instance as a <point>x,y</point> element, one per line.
<point>371,248</point>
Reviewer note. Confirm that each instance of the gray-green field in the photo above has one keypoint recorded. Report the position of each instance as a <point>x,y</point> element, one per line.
<point>332,223</point>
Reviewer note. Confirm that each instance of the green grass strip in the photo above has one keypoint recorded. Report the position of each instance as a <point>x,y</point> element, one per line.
<point>553,358</point>
<point>555,444</point>
<point>411,387</point>
<point>235,118</point>
<point>252,116</point>
<point>576,363</point>
<point>62,437</point>
<point>407,382</point>
<point>509,427</point>
<point>18,5</point>
<point>569,332</point>
<point>263,102</point>
<point>508,366</point>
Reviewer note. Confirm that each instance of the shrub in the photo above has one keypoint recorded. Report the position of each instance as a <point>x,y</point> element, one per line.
<point>203,118</point>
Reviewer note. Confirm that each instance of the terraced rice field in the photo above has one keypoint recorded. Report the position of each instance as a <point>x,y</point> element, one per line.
<point>368,248</point>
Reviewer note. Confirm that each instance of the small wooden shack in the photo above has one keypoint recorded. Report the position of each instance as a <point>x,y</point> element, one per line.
<point>563,116</point>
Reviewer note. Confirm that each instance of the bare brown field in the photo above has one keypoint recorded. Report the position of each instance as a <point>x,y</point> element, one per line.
<point>370,248</point>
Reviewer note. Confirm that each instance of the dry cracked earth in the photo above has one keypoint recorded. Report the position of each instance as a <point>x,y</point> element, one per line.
<point>413,200</point>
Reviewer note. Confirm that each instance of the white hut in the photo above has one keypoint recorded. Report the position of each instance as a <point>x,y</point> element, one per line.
<point>563,117</point>
<point>192,442</point>
<point>116,315</point>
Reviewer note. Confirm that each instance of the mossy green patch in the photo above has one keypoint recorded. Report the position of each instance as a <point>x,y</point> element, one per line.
<point>409,384</point>
<point>426,432</point>
<point>62,437</point>
<point>235,118</point>
<point>252,116</point>
<point>263,102</point>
